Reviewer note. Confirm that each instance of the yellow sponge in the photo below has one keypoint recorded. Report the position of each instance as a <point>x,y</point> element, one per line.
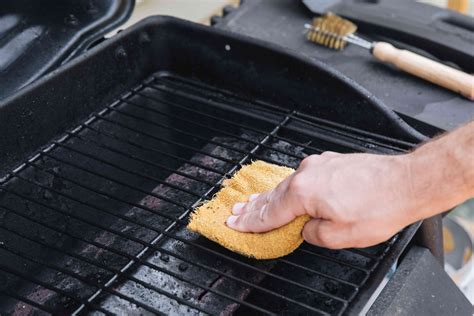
<point>209,219</point>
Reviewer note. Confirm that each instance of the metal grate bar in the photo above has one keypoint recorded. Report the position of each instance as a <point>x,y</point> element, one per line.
<point>171,236</point>
<point>315,134</point>
<point>293,116</point>
<point>164,140</point>
<point>117,252</point>
<point>210,141</point>
<point>126,133</point>
<point>336,128</point>
<point>98,192</point>
<point>47,286</point>
<point>190,110</point>
<point>177,130</point>
<point>155,267</point>
<point>221,119</point>
<point>315,121</point>
<point>219,131</point>
<point>206,140</point>
<point>135,173</point>
<point>158,196</point>
<point>134,279</point>
<point>141,282</point>
<point>193,87</point>
<point>312,271</point>
<point>65,232</point>
<point>202,138</point>
<point>178,221</point>
<point>315,254</point>
<point>61,270</point>
<point>318,150</point>
<point>88,302</point>
<point>152,163</point>
<point>218,183</point>
<point>363,253</point>
<point>306,146</point>
<point>28,301</point>
<point>154,228</point>
<point>308,121</point>
<point>125,218</point>
<point>370,137</point>
<point>181,222</point>
<point>321,293</point>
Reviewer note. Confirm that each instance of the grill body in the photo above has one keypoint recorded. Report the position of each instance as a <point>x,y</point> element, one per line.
<point>106,157</point>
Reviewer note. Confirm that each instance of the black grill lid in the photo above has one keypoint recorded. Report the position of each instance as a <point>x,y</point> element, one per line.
<point>38,36</point>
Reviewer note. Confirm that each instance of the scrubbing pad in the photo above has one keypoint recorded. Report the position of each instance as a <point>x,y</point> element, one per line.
<point>209,219</point>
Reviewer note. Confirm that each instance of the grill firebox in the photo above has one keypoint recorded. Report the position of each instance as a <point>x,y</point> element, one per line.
<point>96,221</point>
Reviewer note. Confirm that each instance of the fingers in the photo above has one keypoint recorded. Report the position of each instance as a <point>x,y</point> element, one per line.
<point>254,196</point>
<point>328,234</point>
<point>272,209</point>
<point>268,211</point>
<point>256,202</point>
<point>316,232</point>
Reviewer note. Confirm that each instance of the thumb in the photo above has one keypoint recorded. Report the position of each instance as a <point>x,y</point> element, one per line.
<point>276,208</point>
<point>325,233</point>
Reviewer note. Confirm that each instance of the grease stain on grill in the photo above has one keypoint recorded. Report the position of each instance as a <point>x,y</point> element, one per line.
<point>182,267</point>
<point>164,257</point>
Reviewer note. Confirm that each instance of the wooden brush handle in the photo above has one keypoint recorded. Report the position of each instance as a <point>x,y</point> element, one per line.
<point>425,68</point>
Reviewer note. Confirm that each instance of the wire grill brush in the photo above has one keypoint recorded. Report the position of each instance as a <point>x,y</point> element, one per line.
<point>335,32</point>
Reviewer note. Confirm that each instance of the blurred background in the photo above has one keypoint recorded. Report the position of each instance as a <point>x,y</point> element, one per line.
<point>201,10</point>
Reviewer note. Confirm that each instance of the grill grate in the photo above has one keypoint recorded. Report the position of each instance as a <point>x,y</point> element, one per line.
<point>95,222</point>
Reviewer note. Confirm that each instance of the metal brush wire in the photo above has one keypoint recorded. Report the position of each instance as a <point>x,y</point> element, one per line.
<point>350,38</point>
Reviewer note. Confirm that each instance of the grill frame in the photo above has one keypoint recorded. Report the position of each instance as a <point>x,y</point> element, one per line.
<point>33,94</point>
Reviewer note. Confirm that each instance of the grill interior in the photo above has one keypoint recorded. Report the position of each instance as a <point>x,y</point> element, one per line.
<point>95,222</point>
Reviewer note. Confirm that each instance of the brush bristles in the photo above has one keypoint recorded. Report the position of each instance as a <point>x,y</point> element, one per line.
<point>329,30</point>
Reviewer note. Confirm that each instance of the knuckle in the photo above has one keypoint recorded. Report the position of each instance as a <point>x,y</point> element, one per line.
<point>251,206</point>
<point>329,154</point>
<point>309,160</point>
<point>339,216</point>
<point>298,184</point>
<point>324,239</point>
<point>263,214</point>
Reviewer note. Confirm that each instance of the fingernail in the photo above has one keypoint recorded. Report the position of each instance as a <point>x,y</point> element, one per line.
<point>253,196</point>
<point>238,208</point>
<point>231,221</point>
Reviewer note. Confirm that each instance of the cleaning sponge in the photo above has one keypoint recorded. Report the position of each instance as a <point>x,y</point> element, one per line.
<point>209,219</point>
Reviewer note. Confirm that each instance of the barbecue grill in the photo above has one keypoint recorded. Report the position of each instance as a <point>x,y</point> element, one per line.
<point>106,157</point>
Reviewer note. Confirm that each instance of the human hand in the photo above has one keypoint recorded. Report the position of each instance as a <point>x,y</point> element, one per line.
<point>355,200</point>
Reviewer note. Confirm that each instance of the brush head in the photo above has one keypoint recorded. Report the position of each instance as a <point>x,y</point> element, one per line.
<point>330,30</point>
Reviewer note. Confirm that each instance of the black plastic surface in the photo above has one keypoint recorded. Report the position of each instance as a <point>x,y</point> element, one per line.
<point>248,68</point>
<point>420,287</point>
<point>281,22</point>
<point>38,36</point>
